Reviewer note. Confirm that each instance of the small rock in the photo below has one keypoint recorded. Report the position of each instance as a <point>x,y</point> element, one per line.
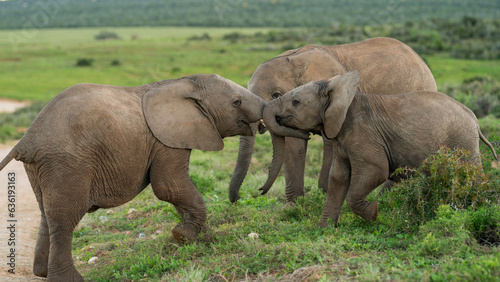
<point>253,235</point>
<point>131,211</point>
<point>110,212</point>
<point>93,260</point>
<point>142,235</point>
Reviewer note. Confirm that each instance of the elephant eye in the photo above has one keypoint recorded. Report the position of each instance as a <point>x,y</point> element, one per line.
<point>276,95</point>
<point>237,103</point>
<point>295,102</point>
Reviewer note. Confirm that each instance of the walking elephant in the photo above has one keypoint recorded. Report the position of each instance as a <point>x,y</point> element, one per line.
<point>386,67</point>
<point>372,135</point>
<point>98,146</point>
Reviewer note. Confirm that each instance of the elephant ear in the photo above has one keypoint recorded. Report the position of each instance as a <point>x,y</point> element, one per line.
<point>341,90</point>
<point>176,117</point>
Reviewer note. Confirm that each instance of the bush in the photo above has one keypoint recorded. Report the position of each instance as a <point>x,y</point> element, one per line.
<point>445,178</point>
<point>445,235</point>
<point>106,35</point>
<point>84,62</point>
<point>481,94</point>
<point>484,225</point>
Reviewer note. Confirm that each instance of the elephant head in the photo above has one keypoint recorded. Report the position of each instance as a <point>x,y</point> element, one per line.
<point>198,111</point>
<point>274,78</point>
<point>318,107</point>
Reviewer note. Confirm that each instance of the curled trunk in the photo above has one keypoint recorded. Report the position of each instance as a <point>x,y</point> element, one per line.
<point>277,134</point>
<point>277,163</point>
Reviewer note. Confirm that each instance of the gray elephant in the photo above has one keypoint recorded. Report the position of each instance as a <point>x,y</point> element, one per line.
<point>386,67</point>
<point>97,146</point>
<point>372,135</point>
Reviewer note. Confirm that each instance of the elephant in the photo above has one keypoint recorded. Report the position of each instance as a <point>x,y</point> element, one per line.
<point>98,146</point>
<point>386,67</point>
<point>372,135</point>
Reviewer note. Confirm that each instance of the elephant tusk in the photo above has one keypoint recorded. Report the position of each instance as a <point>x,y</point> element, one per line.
<point>262,122</point>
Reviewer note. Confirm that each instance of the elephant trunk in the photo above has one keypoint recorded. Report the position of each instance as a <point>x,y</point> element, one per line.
<point>242,164</point>
<point>277,162</point>
<point>277,135</point>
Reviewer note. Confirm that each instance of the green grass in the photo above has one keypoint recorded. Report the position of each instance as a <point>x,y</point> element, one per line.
<point>43,64</point>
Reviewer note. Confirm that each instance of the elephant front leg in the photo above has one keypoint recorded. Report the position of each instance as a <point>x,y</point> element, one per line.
<point>295,161</point>
<point>365,179</point>
<point>327,163</point>
<point>338,186</point>
<point>170,182</point>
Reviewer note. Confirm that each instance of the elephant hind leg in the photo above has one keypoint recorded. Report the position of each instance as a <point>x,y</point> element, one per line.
<point>65,200</point>
<point>171,183</point>
<point>41,258</point>
<point>363,181</point>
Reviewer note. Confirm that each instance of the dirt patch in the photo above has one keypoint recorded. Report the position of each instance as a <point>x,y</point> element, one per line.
<point>27,215</point>
<point>9,106</point>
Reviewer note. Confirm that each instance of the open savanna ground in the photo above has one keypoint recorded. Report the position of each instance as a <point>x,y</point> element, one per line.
<point>134,242</point>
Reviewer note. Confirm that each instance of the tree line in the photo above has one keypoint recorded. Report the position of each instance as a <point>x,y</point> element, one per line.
<point>16,14</point>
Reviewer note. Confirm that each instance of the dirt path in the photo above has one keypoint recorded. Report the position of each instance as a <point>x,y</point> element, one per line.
<point>27,215</point>
<point>9,106</point>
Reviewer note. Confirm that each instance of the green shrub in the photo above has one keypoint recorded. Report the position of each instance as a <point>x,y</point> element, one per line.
<point>484,225</point>
<point>106,35</point>
<point>84,62</point>
<point>481,94</point>
<point>445,178</point>
<point>445,235</point>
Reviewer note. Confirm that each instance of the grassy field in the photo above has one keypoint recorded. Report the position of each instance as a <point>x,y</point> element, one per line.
<point>134,242</point>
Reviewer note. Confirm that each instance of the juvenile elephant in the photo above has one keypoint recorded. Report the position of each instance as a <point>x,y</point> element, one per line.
<point>98,146</point>
<point>386,67</point>
<point>372,135</point>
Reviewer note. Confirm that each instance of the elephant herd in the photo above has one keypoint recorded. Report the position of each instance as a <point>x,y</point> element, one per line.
<point>98,146</point>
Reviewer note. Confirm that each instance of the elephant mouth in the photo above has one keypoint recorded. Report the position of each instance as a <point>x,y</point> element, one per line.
<point>245,128</point>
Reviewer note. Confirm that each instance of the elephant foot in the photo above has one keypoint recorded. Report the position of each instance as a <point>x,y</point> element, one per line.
<point>324,223</point>
<point>40,270</point>
<point>71,275</point>
<point>371,212</point>
<point>184,233</point>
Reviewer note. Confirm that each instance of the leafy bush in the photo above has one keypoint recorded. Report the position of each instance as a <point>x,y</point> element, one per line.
<point>484,225</point>
<point>84,62</point>
<point>445,235</point>
<point>14,124</point>
<point>106,35</point>
<point>481,94</point>
<point>445,178</point>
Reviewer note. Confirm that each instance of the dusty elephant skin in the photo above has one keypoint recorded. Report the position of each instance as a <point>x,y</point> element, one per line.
<point>372,135</point>
<point>386,67</point>
<point>97,146</point>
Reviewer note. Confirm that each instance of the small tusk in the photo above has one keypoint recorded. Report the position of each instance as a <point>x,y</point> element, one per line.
<point>262,122</point>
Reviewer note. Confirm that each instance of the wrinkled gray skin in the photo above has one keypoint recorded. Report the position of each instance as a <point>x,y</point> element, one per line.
<point>386,67</point>
<point>372,135</point>
<point>98,146</point>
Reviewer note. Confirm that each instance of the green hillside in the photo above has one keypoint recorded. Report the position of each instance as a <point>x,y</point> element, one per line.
<point>233,13</point>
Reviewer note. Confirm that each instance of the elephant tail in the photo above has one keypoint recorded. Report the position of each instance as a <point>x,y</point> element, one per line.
<point>12,154</point>
<point>488,144</point>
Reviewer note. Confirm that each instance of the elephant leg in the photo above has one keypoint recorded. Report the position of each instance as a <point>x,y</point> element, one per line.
<point>63,208</point>
<point>41,258</point>
<point>364,179</point>
<point>295,160</point>
<point>41,261</point>
<point>338,186</point>
<point>170,181</point>
<point>327,164</point>
<point>387,186</point>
